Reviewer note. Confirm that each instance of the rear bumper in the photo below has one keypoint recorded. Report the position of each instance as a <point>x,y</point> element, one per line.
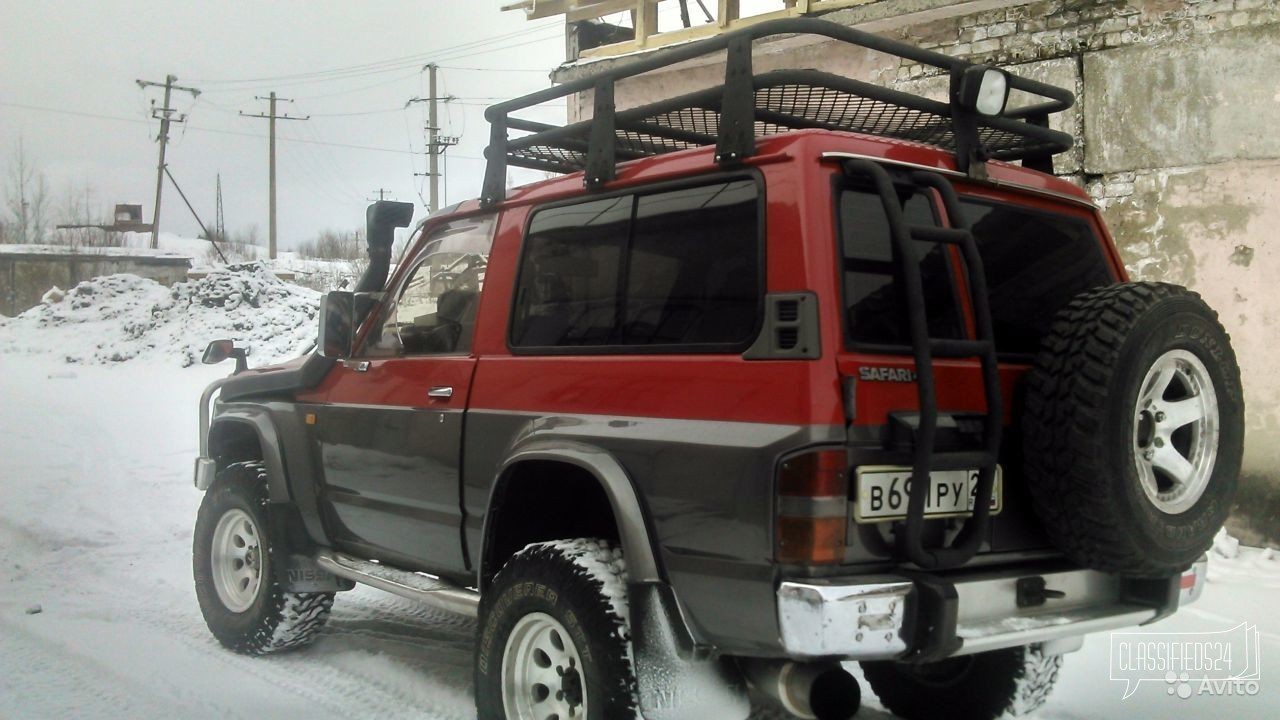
<point>928,617</point>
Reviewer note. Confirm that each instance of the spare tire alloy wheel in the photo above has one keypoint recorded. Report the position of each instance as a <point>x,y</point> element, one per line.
<point>1175,431</point>
<point>1133,429</point>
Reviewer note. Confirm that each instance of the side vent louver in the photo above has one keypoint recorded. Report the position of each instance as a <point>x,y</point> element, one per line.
<point>788,338</point>
<point>790,330</point>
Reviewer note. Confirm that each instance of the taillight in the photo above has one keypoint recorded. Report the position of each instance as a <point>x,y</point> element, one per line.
<point>813,492</point>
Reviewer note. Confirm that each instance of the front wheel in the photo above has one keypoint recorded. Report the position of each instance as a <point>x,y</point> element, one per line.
<point>554,636</point>
<point>243,603</point>
<point>983,686</point>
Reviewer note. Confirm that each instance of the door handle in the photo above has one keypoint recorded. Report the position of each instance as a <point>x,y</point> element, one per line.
<point>440,391</point>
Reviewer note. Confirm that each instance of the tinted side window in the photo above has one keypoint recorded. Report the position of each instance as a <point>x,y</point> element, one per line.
<point>568,292</point>
<point>876,309</point>
<point>1035,262</point>
<point>666,269</point>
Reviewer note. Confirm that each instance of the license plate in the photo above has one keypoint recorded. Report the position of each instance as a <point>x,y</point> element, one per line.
<point>883,493</point>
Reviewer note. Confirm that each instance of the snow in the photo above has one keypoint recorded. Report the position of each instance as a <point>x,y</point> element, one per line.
<point>96,515</point>
<point>99,617</point>
<point>1225,546</point>
<point>124,317</point>
<point>89,250</point>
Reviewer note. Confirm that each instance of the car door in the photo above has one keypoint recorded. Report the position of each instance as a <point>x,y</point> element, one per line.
<point>389,429</point>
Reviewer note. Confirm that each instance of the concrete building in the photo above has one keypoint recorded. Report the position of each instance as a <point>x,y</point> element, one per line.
<point>27,272</point>
<point>1177,124</point>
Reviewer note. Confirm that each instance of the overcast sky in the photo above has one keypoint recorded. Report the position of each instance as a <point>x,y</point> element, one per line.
<point>67,90</point>
<point>83,58</point>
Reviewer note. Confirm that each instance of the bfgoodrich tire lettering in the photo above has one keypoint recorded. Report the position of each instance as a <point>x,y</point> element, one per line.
<point>268,619</point>
<point>1090,431</point>
<point>580,585</point>
<point>984,686</point>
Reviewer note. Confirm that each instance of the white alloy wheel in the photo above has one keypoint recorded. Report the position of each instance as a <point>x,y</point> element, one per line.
<point>542,674</point>
<point>237,560</point>
<point>1175,431</point>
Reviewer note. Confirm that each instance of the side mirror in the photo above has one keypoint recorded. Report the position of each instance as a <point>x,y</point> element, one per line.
<point>337,324</point>
<point>220,350</point>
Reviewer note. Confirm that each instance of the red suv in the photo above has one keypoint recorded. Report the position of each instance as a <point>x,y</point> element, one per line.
<point>779,374</point>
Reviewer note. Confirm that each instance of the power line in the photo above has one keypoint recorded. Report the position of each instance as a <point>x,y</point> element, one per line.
<point>198,128</point>
<point>358,113</point>
<point>493,69</point>
<point>385,65</point>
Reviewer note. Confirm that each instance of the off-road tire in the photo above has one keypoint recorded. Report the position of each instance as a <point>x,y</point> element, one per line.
<point>580,583</point>
<point>276,620</point>
<point>1079,426</point>
<point>983,686</point>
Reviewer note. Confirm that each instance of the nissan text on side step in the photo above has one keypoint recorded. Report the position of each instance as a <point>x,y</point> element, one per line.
<point>783,373</point>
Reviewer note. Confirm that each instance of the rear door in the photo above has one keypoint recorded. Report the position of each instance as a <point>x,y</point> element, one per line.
<point>1035,260</point>
<point>389,431</point>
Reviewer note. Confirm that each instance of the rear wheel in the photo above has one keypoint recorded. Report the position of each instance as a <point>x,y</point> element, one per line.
<point>983,686</point>
<point>243,603</point>
<point>1134,429</point>
<point>554,636</point>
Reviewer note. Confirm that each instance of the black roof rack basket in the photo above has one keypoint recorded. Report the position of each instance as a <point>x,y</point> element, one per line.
<point>748,106</point>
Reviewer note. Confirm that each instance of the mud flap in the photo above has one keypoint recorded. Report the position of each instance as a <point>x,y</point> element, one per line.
<point>299,573</point>
<point>673,681</point>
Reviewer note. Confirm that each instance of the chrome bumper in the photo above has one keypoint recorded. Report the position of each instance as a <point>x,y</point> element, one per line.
<point>928,617</point>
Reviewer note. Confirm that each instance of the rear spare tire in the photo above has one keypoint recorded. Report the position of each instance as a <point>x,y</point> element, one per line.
<point>1133,429</point>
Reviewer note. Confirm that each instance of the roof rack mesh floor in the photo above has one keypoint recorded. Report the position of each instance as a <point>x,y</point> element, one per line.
<point>809,106</point>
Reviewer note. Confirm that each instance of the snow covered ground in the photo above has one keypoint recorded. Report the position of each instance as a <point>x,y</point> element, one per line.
<point>96,514</point>
<point>125,317</point>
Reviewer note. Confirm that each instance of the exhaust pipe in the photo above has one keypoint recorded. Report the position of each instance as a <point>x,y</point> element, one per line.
<point>815,691</point>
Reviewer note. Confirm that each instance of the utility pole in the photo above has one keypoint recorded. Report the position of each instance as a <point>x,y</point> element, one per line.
<point>272,117</point>
<point>436,143</point>
<point>382,194</point>
<point>166,115</point>
<point>219,221</point>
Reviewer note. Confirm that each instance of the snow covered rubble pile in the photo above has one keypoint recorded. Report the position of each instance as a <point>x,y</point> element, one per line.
<point>125,317</point>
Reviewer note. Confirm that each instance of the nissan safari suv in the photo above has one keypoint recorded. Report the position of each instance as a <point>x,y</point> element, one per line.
<point>788,372</point>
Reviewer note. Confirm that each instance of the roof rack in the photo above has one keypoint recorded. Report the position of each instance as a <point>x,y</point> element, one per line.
<point>748,106</point>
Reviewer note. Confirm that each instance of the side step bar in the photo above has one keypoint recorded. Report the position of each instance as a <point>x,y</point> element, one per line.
<point>432,591</point>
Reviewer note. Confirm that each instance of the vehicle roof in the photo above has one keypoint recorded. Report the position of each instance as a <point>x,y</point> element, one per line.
<point>800,145</point>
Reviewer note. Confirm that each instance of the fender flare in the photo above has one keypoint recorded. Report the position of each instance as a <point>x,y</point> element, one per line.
<point>258,420</point>
<point>633,528</point>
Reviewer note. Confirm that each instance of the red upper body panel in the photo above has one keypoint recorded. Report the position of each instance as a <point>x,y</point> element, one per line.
<point>800,256</point>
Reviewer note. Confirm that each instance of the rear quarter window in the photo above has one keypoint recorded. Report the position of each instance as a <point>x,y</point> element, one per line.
<point>676,270</point>
<point>875,302</point>
<point>1035,262</point>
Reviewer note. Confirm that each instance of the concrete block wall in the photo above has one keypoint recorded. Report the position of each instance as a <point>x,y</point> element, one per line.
<point>26,277</point>
<point>1178,141</point>
<point>1178,125</point>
